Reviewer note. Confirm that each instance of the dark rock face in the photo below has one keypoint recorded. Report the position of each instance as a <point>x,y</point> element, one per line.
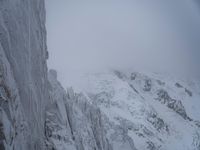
<point>163,96</point>
<point>157,122</point>
<point>152,146</point>
<point>120,74</point>
<point>133,76</point>
<point>196,140</point>
<point>133,88</point>
<point>197,123</point>
<point>2,137</point>
<point>188,92</point>
<point>147,85</point>
<point>178,85</point>
<point>161,83</point>
<point>173,104</point>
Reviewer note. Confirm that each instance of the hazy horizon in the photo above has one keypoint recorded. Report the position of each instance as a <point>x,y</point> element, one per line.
<point>94,35</point>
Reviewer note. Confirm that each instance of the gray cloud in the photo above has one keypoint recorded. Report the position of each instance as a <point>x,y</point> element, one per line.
<point>111,33</point>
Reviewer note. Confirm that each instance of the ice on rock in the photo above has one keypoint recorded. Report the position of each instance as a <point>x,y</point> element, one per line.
<point>23,77</point>
<point>35,111</point>
<point>116,110</point>
<point>72,122</point>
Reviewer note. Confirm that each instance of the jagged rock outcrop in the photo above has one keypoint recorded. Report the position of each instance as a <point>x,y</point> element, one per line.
<point>118,110</point>
<point>72,122</point>
<point>173,104</point>
<point>23,74</point>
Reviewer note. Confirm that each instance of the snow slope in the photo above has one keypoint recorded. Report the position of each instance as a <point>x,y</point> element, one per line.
<point>116,110</point>
<point>147,110</point>
<point>124,110</point>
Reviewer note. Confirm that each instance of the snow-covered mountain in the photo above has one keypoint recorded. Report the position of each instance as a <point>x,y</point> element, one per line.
<point>130,111</point>
<point>72,121</point>
<point>153,111</point>
<point>115,110</point>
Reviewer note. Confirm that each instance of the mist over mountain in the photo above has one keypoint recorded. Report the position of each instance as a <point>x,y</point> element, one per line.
<point>127,75</point>
<point>161,36</point>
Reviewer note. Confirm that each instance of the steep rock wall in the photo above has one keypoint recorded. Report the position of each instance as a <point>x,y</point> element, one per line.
<point>23,55</point>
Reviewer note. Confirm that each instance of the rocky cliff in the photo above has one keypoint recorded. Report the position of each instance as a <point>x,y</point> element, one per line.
<point>116,110</point>
<point>35,113</point>
<point>72,122</point>
<point>23,70</point>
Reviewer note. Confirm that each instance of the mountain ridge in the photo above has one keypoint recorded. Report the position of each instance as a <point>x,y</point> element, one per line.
<point>131,121</point>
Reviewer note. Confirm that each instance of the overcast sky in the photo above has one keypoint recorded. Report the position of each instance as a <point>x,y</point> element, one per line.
<point>83,35</point>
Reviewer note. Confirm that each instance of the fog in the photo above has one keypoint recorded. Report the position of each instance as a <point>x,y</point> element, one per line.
<point>97,35</point>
